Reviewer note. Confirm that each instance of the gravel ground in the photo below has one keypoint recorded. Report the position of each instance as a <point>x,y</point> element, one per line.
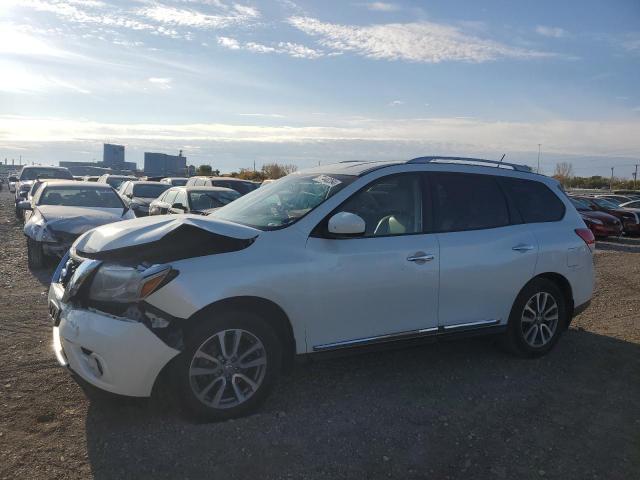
<point>458,409</point>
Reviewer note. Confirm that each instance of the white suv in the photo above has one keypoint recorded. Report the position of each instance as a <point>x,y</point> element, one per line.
<point>335,257</point>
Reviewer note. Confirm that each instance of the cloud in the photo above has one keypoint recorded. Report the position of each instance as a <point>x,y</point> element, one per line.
<point>161,82</point>
<point>266,115</point>
<point>240,14</point>
<point>554,32</point>
<point>295,50</point>
<point>382,6</point>
<point>425,42</point>
<point>462,135</point>
<point>631,42</point>
<point>396,103</point>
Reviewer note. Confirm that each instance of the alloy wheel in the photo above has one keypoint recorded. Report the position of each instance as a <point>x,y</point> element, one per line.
<point>228,368</point>
<point>539,319</point>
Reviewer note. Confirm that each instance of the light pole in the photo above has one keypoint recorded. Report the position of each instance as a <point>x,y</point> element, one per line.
<point>635,177</point>
<point>539,145</point>
<point>611,181</point>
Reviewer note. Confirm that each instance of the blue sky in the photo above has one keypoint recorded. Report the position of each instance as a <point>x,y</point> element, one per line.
<point>304,82</point>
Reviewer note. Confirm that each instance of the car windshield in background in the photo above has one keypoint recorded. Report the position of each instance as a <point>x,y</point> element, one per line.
<point>80,197</point>
<point>115,182</point>
<point>210,199</point>
<point>580,204</point>
<point>179,182</point>
<point>282,203</point>
<point>146,190</point>
<point>35,173</point>
<point>603,203</point>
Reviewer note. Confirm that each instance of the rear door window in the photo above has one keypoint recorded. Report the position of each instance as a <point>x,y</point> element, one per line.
<point>464,201</point>
<point>534,200</point>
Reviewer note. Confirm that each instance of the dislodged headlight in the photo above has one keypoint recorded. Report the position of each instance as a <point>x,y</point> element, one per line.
<point>115,283</point>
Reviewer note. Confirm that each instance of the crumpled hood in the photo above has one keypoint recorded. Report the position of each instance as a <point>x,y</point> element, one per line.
<point>144,230</point>
<point>77,220</point>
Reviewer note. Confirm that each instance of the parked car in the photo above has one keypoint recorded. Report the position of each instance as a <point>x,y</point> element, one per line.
<point>617,199</point>
<point>115,180</point>
<point>241,186</point>
<point>63,210</point>
<point>196,200</point>
<point>175,181</point>
<point>30,174</point>
<point>630,220</point>
<point>139,194</point>
<point>635,204</point>
<point>335,257</point>
<point>601,224</point>
<point>90,178</point>
<point>12,183</point>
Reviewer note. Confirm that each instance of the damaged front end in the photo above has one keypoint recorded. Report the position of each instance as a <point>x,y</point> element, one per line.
<point>120,292</point>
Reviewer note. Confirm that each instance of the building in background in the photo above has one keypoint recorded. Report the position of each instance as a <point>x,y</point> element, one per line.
<point>163,165</point>
<point>112,162</point>
<point>113,156</point>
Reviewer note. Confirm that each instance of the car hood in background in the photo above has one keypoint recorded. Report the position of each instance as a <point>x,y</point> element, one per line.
<point>164,238</point>
<point>605,217</point>
<point>73,221</point>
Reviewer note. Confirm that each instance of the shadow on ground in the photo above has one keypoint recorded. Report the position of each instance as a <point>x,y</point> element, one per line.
<point>458,409</point>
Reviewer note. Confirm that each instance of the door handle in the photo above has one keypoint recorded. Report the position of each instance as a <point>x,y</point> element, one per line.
<point>420,257</point>
<point>522,248</point>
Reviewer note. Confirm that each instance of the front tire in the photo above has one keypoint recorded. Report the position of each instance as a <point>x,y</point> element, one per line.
<point>35,255</point>
<point>538,317</point>
<point>230,362</point>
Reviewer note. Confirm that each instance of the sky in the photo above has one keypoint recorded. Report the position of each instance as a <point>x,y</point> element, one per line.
<point>307,82</point>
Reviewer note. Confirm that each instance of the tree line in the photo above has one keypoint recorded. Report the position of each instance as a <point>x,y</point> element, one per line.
<point>268,171</point>
<point>564,174</point>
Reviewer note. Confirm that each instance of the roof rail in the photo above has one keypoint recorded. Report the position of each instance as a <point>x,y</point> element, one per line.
<point>471,161</point>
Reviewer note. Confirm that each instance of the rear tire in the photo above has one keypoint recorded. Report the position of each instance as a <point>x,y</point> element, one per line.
<point>35,255</point>
<point>230,362</point>
<point>538,317</point>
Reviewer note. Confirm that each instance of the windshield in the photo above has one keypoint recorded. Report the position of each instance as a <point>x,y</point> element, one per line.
<point>580,204</point>
<point>178,182</point>
<point>34,173</point>
<point>115,182</point>
<point>80,197</point>
<point>205,200</point>
<point>146,190</point>
<point>284,202</point>
<point>603,203</point>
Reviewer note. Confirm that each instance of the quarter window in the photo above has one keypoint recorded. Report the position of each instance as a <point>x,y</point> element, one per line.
<point>467,202</point>
<point>534,200</point>
<point>391,205</point>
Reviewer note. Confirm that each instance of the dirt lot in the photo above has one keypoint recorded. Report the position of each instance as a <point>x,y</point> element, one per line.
<point>455,409</point>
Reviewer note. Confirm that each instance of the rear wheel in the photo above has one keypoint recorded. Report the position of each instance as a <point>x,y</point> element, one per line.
<point>538,317</point>
<point>35,254</point>
<point>228,366</point>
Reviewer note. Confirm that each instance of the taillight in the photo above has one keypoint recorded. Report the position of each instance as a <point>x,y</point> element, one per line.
<point>587,235</point>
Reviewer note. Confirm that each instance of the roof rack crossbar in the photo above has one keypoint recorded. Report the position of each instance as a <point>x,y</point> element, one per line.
<point>469,160</point>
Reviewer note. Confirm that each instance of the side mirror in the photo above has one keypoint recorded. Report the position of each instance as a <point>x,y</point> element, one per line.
<point>347,224</point>
<point>24,205</point>
<point>179,206</point>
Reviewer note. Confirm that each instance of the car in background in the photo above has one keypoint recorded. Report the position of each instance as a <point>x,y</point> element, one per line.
<point>630,220</point>
<point>115,180</point>
<point>139,194</point>
<point>29,174</point>
<point>617,199</point>
<point>12,180</point>
<point>196,200</point>
<point>61,211</point>
<point>601,224</point>
<point>90,178</point>
<point>635,204</point>
<point>175,181</point>
<point>241,186</point>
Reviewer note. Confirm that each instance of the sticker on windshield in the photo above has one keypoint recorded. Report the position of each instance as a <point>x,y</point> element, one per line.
<point>327,180</point>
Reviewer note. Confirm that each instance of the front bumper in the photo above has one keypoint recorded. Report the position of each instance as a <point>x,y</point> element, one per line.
<point>606,230</point>
<point>112,353</point>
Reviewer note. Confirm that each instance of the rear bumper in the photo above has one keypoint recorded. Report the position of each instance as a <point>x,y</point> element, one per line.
<point>606,231</point>
<point>112,353</point>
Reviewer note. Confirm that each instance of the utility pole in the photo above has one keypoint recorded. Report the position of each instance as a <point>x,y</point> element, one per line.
<point>611,182</point>
<point>539,145</point>
<point>635,177</point>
